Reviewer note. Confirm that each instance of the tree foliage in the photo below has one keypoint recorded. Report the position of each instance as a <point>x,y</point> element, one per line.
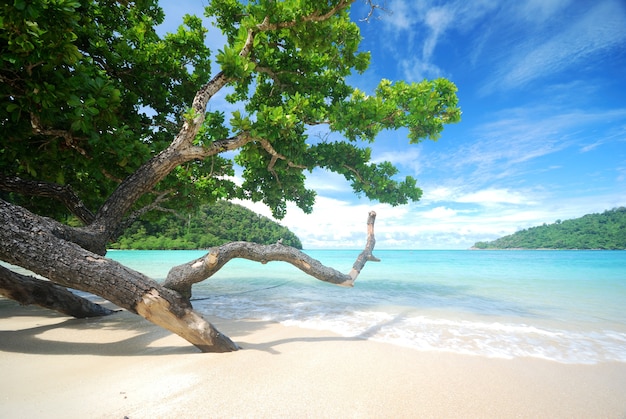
<point>90,91</point>
<point>606,231</point>
<point>104,120</point>
<point>209,226</point>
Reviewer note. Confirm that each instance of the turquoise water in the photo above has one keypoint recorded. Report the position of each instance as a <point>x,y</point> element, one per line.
<point>566,306</point>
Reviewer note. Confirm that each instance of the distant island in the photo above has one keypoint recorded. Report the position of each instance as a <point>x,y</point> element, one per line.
<point>606,231</point>
<point>212,225</point>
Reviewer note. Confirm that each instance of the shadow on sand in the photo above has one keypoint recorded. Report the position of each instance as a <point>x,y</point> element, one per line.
<point>32,330</point>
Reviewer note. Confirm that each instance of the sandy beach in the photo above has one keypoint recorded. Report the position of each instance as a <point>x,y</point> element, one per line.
<point>122,366</point>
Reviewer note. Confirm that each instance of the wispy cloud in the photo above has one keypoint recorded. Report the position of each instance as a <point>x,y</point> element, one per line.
<point>513,139</point>
<point>426,23</point>
<point>495,196</point>
<point>409,159</point>
<point>437,19</point>
<point>539,10</point>
<point>561,45</point>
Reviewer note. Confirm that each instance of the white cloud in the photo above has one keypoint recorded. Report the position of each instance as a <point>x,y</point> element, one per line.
<point>494,196</point>
<point>439,213</point>
<point>337,223</point>
<point>427,23</point>
<point>438,194</point>
<point>418,69</point>
<point>437,20</point>
<point>400,16</point>
<point>408,158</point>
<point>324,181</point>
<point>540,10</point>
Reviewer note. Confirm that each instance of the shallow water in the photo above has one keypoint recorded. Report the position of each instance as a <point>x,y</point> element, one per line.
<point>566,306</point>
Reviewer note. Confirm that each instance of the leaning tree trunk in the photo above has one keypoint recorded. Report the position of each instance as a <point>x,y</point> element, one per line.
<point>27,290</point>
<point>29,241</point>
<point>26,240</point>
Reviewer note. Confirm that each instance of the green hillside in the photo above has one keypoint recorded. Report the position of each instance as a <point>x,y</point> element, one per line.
<point>593,231</point>
<point>212,225</point>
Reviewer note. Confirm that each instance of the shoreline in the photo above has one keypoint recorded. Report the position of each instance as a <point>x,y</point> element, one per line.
<point>122,365</point>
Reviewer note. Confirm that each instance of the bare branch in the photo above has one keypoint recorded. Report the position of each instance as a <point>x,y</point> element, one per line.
<point>154,206</point>
<point>373,8</point>
<point>182,277</point>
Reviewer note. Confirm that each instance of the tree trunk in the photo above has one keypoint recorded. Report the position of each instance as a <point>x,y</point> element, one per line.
<point>27,240</point>
<point>27,290</point>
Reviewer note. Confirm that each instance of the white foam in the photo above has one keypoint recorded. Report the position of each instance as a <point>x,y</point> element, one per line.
<point>433,332</point>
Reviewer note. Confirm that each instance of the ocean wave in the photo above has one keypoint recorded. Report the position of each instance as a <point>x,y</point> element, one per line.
<point>409,328</point>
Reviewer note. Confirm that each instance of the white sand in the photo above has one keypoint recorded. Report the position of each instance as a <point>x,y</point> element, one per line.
<point>121,365</point>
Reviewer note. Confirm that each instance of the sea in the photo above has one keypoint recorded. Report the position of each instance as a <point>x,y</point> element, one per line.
<point>563,306</point>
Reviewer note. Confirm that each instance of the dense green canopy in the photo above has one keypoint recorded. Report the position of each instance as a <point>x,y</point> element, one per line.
<point>593,231</point>
<point>89,92</point>
<point>209,226</point>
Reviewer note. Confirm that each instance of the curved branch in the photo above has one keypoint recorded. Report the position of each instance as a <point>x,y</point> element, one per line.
<point>275,157</point>
<point>181,278</point>
<point>68,136</point>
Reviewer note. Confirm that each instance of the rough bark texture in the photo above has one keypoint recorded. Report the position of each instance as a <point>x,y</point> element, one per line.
<point>27,290</point>
<point>26,240</point>
<point>182,277</point>
<point>64,194</point>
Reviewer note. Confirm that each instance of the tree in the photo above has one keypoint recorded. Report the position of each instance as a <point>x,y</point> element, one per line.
<point>211,225</point>
<point>103,121</point>
<point>592,231</point>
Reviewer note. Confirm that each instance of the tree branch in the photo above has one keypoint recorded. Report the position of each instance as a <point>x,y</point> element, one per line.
<point>27,290</point>
<point>68,136</point>
<point>64,194</point>
<point>181,278</point>
<point>26,240</point>
<point>314,17</point>
<point>275,157</point>
<point>373,8</point>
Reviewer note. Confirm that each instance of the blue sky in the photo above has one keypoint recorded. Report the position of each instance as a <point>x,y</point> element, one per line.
<point>542,87</point>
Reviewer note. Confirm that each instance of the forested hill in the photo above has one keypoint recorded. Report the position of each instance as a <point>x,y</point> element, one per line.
<point>592,231</point>
<point>212,225</point>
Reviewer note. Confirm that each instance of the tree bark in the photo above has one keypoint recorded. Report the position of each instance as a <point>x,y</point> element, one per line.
<point>27,290</point>
<point>61,193</point>
<point>182,277</point>
<point>27,240</point>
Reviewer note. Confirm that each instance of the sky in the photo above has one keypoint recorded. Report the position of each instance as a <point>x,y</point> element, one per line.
<point>542,88</point>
